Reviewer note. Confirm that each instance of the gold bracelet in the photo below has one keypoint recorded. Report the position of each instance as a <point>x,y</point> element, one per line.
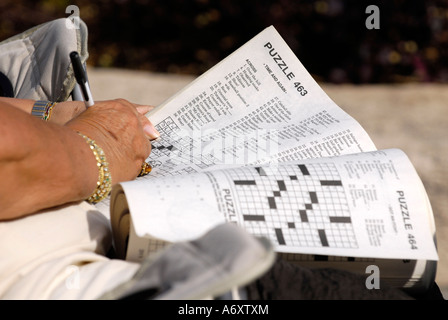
<point>43,109</point>
<point>104,183</point>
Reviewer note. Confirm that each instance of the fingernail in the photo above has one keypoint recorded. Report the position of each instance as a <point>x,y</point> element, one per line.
<point>143,109</point>
<point>151,131</point>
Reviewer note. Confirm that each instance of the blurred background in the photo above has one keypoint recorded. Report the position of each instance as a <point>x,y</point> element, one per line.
<point>188,37</point>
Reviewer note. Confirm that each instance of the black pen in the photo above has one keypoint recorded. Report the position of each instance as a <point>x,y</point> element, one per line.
<point>81,78</point>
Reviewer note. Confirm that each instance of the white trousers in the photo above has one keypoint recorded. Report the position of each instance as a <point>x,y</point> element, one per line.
<point>59,254</point>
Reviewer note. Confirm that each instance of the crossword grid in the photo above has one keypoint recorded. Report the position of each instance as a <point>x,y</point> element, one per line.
<point>172,149</point>
<point>294,257</point>
<point>296,205</point>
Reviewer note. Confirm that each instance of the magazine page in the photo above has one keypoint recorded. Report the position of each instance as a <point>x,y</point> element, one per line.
<point>258,105</point>
<point>359,205</point>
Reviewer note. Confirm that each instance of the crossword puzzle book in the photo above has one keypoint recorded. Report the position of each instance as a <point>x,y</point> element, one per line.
<point>256,142</point>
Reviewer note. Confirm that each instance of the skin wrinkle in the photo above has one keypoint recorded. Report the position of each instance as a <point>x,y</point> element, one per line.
<point>112,135</point>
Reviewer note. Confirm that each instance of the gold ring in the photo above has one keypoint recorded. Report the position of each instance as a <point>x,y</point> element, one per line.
<point>146,168</point>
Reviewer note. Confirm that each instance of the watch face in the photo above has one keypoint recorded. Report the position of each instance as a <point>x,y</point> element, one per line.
<point>5,87</point>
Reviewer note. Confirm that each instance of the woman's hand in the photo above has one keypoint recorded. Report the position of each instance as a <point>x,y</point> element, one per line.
<point>122,130</point>
<point>65,111</point>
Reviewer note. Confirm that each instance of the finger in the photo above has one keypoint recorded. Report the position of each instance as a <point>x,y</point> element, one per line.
<point>140,110</point>
<point>144,109</point>
<point>149,128</point>
<point>147,150</point>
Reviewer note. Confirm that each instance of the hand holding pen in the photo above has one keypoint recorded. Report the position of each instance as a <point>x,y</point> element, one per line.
<point>81,79</point>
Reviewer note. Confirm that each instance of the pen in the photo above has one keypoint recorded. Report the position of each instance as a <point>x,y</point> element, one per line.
<point>81,78</point>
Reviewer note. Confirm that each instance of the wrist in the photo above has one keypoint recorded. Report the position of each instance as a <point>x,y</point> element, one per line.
<point>63,112</point>
<point>43,109</point>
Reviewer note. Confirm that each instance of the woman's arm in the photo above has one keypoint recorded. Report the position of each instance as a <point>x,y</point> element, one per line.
<point>61,113</point>
<point>41,164</point>
<point>44,164</point>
